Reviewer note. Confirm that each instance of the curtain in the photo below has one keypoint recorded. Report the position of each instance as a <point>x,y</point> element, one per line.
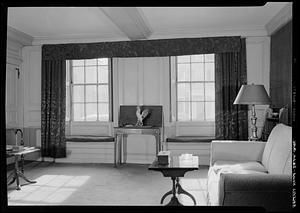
<point>141,48</point>
<point>230,73</point>
<point>53,108</point>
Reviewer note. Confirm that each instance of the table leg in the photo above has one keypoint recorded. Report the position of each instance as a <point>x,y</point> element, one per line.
<point>165,195</point>
<point>180,190</point>
<point>174,200</point>
<point>22,163</point>
<point>125,149</point>
<point>16,173</point>
<point>115,150</point>
<point>12,176</point>
<point>120,150</point>
<point>157,140</point>
<point>25,178</point>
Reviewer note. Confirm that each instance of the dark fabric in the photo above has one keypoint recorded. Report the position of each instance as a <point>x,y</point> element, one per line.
<point>89,138</point>
<point>53,109</point>
<point>281,63</point>
<point>230,73</point>
<point>186,139</point>
<point>145,48</point>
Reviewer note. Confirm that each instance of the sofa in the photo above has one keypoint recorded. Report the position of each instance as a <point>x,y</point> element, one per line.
<point>252,173</point>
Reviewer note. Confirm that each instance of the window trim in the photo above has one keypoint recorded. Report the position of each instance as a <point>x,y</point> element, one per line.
<point>190,82</point>
<point>69,68</point>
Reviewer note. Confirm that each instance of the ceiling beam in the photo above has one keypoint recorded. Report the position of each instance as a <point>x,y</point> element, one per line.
<point>130,20</point>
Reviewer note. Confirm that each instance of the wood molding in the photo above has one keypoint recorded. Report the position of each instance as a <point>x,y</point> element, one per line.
<point>209,32</point>
<point>281,18</point>
<point>18,36</point>
<point>129,20</point>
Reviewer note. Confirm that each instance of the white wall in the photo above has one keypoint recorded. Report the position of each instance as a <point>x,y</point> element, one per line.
<point>14,85</point>
<point>258,72</point>
<point>141,81</point>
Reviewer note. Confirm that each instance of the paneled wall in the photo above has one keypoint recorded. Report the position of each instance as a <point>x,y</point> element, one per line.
<point>281,68</point>
<point>258,72</point>
<point>141,81</point>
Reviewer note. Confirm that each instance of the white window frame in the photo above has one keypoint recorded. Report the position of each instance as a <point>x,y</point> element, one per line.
<point>110,98</point>
<point>185,128</point>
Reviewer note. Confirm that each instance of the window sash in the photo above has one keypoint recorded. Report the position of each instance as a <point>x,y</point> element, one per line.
<point>191,82</point>
<point>85,102</point>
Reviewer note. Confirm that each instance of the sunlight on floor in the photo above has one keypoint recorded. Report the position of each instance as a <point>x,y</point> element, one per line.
<point>51,189</point>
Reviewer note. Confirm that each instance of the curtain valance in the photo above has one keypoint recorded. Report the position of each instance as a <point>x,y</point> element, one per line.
<point>142,48</point>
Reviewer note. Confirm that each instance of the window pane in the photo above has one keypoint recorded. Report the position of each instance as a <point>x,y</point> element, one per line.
<point>78,111</point>
<point>209,57</point>
<point>78,75</point>
<point>197,111</point>
<point>102,61</point>
<point>78,93</point>
<point>197,72</point>
<point>91,74</point>
<point>91,93</point>
<point>183,72</point>
<point>209,71</point>
<point>183,91</point>
<point>78,62</point>
<point>209,91</point>
<point>91,112</point>
<point>197,92</point>
<point>103,112</point>
<point>90,62</point>
<point>103,93</point>
<point>103,74</point>
<point>183,59</point>
<point>197,58</point>
<point>210,111</point>
<point>183,111</point>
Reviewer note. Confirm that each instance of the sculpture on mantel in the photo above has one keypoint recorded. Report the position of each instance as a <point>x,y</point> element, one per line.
<point>140,116</point>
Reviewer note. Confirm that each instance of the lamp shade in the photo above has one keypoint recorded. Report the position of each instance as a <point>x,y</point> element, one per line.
<point>252,94</point>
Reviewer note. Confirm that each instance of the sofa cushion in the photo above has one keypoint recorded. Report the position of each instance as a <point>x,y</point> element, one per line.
<point>235,166</point>
<point>278,150</point>
<point>220,167</point>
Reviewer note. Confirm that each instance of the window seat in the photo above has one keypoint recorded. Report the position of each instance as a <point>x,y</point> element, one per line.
<point>190,139</point>
<point>89,138</point>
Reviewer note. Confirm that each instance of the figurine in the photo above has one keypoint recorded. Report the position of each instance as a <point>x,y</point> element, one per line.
<point>140,117</point>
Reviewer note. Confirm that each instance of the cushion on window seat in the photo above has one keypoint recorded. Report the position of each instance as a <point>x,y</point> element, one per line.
<point>89,138</point>
<point>186,139</point>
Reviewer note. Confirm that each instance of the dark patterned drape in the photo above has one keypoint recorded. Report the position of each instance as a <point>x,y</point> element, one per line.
<point>53,108</point>
<point>142,48</point>
<point>230,73</point>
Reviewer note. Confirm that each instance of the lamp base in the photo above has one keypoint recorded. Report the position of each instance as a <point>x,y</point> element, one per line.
<point>251,138</point>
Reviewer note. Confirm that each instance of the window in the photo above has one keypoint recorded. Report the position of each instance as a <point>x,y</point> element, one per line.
<point>195,87</point>
<point>88,90</point>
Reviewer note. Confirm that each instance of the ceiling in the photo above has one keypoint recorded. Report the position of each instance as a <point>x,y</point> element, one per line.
<point>69,24</point>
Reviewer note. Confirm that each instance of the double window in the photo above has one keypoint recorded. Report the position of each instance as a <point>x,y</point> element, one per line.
<point>88,90</point>
<point>195,87</point>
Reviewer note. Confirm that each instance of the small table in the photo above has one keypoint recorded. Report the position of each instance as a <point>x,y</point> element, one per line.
<point>175,169</point>
<point>14,176</point>
<point>125,131</point>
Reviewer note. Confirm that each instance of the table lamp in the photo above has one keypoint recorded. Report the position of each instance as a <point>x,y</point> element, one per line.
<point>252,95</point>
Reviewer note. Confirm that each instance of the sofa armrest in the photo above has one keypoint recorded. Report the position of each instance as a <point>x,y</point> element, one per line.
<point>236,150</point>
<point>270,191</point>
